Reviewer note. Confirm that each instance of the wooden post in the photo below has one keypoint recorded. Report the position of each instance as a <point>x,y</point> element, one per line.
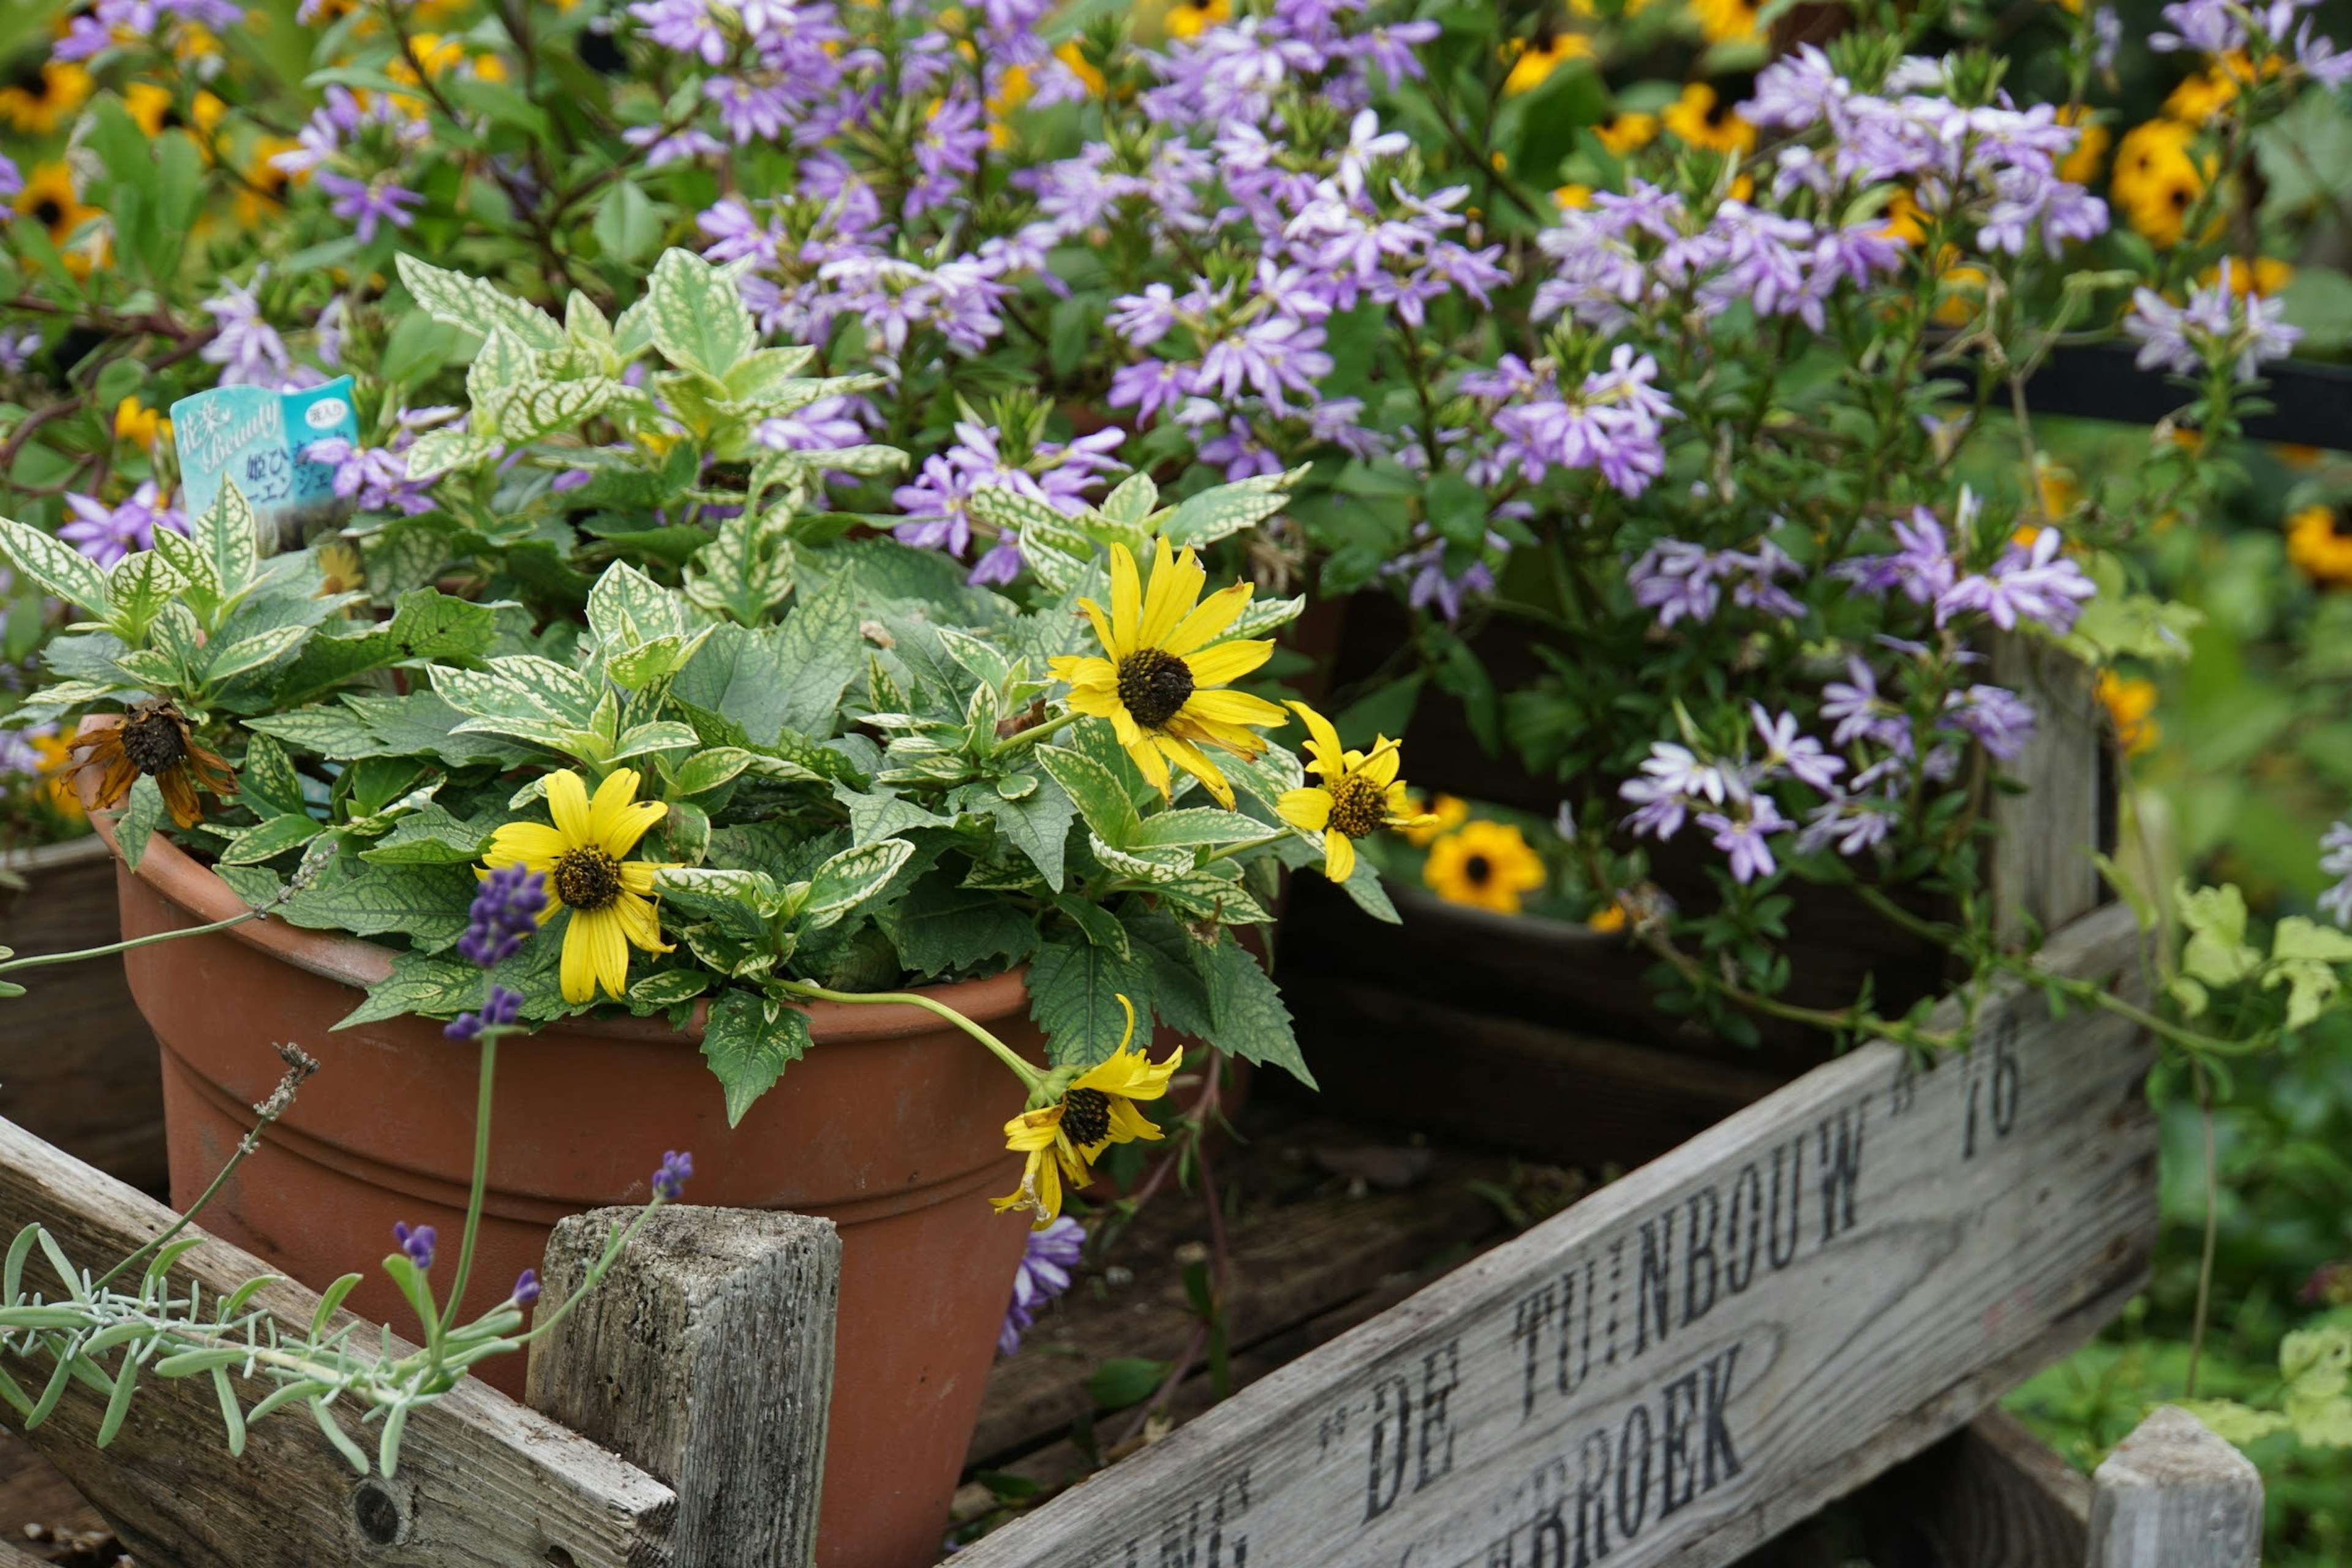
<point>705,1356</point>
<point>2173,1495</point>
<point>2042,868</point>
<point>482,1480</point>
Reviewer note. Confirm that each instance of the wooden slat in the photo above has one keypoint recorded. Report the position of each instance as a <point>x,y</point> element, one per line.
<point>1992,1495</point>
<point>2040,873</point>
<point>483,1482</point>
<point>1663,1364</point>
<point>2173,1495</point>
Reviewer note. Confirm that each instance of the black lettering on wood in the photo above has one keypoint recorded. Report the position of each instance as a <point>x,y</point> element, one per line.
<point>1699,1252</point>
<point>1441,1374</point>
<point>1654,1285</point>
<point>1795,1150</point>
<point>1387,1473</point>
<point>1633,1483</point>
<point>1550,1547</point>
<point>1583,1332</point>
<point>1529,1319</point>
<point>1905,1092</point>
<point>2005,1075</point>
<point>1747,1203</point>
<point>1678,1469</point>
<point>1616,1290</point>
<point>1717,1445</point>
<point>1841,1168</point>
<point>1592,1499</point>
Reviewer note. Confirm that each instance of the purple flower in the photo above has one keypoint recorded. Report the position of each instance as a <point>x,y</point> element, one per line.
<point>2027,583</point>
<point>2213,329</point>
<point>1746,838</point>
<point>686,25</point>
<point>1853,822</point>
<point>418,1243</point>
<point>1044,1273</point>
<point>506,913</point>
<point>16,349</point>
<point>2337,862</point>
<point>106,534</point>
<point>18,756</point>
<point>368,203</point>
<point>676,1170</point>
<point>247,348</point>
<point>1922,568</point>
<point>1800,756</point>
<point>11,180</point>
<point>1999,720</point>
<point>525,1288</point>
<point>1859,713</point>
<point>1673,778</point>
<point>502,1008</point>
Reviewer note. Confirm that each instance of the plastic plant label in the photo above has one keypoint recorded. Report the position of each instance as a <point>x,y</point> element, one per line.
<point>256,438</point>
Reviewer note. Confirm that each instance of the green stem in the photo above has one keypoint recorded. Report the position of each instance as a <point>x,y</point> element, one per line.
<point>1028,1075</point>
<point>481,1176</point>
<point>80,953</point>
<point>1035,733</point>
<point>1227,851</point>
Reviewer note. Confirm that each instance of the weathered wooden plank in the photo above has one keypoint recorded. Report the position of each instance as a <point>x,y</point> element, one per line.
<point>1703,1352</point>
<point>2041,872</point>
<point>705,1355</point>
<point>1992,1495</point>
<point>10,1557</point>
<point>2173,1495</point>
<point>483,1482</point>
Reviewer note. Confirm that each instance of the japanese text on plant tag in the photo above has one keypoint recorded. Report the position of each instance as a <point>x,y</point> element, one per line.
<point>256,438</point>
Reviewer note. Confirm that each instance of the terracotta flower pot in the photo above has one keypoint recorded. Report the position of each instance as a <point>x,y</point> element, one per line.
<point>892,1128</point>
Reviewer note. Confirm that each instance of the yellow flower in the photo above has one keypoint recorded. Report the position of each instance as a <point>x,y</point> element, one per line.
<point>2264,275</point>
<point>1157,686</point>
<point>157,111</point>
<point>57,768</point>
<point>1442,817</point>
<point>1727,21</point>
<point>1062,1140</point>
<point>2156,180</point>
<point>1072,56</point>
<point>1608,918</point>
<point>135,422</point>
<point>2296,455</point>
<point>1571,198</point>
<point>2130,702</point>
<point>2319,541</point>
<point>2200,98</point>
<point>581,856</point>
<point>1532,63</point>
<point>2082,164</point>
<point>1012,91</point>
<point>37,102</point>
<point>1488,864</point>
<point>1960,289</point>
<point>48,200</point>
<point>2056,489</point>
<point>261,192</point>
<point>1191,18</point>
<point>1702,119</point>
<point>1623,133</point>
<point>342,568</point>
<point>1360,794</point>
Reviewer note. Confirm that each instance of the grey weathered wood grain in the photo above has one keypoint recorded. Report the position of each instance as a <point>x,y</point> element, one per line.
<point>705,1356</point>
<point>1665,1364</point>
<point>1991,1495</point>
<point>2173,1495</point>
<point>11,1557</point>
<point>483,1482</point>
<point>2040,866</point>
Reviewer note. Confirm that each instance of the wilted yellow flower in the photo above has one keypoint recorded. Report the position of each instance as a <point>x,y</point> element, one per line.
<point>1063,1140</point>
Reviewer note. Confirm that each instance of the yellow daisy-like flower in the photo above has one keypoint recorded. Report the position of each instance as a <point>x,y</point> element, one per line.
<point>1488,864</point>
<point>1608,919</point>
<point>1701,118</point>
<point>2198,100</point>
<point>1072,56</point>
<point>581,856</point>
<point>37,102</point>
<point>1433,822</point>
<point>1360,794</point>
<point>1535,61</point>
<point>2157,180</point>
<point>2264,275</point>
<point>2319,543</point>
<point>1064,1139</point>
<point>1727,21</point>
<point>2130,702</point>
<point>1191,18</point>
<point>2081,165</point>
<point>1623,133</point>
<point>48,199</point>
<point>1156,687</point>
<point>135,422</point>
<point>156,109</point>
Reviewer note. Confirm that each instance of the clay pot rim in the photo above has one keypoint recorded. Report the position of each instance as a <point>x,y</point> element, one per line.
<point>198,892</point>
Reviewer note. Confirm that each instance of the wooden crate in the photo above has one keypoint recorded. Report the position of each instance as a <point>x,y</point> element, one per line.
<point>78,1063</point>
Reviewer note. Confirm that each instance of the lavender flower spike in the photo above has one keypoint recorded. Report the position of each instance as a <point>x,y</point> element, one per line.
<point>526,1290</point>
<point>676,1170</point>
<point>501,1010</point>
<point>418,1243</point>
<point>506,912</point>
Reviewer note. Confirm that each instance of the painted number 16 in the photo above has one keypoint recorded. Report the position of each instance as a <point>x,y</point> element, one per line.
<point>2003,1089</point>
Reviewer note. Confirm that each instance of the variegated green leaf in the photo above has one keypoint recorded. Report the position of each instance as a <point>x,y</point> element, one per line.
<point>626,610</point>
<point>697,316</point>
<point>850,877</point>
<point>63,571</point>
<point>475,306</point>
<point>536,409</point>
<point>439,452</point>
<point>1228,509</point>
<point>138,588</point>
<point>253,652</point>
<point>1260,617</point>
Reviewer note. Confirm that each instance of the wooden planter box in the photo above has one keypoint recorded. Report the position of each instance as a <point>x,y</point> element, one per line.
<point>78,1063</point>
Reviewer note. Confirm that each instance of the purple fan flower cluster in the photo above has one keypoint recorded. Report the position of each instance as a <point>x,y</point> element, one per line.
<point>2241,27</point>
<point>1046,1269</point>
<point>108,533</point>
<point>2337,862</point>
<point>2031,581</point>
<point>1684,581</point>
<point>2218,326</point>
<point>1060,474</point>
<point>375,479</point>
<point>100,27</point>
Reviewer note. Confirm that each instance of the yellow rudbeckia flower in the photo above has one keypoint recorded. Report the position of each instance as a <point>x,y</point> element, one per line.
<point>1488,864</point>
<point>1701,118</point>
<point>1156,685</point>
<point>581,856</point>
<point>1360,794</point>
<point>1063,1140</point>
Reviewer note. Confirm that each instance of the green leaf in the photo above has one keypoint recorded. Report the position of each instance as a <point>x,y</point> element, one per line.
<point>875,814</point>
<point>2216,952</point>
<point>266,784</point>
<point>850,877</point>
<point>1074,990</point>
<point>253,652</point>
<point>1249,1019</point>
<point>1192,825</point>
<point>2303,958</point>
<point>138,588</point>
<point>430,837</point>
<point>269,839</point>
<point>427,625</point>
<point>462,300</point>
<point>1228,509</point>
<point>1097,792</point>
<point>1038,825</point>
<point>1133,501</point>
<point>628,223</point>
<point>697,316</point>
<point>228,537</point>
<point>941,928</point>
<point>142,813</point>
<point>436,987</point>
<point>1126,1380</point>
<point>63,571</point>
<point>667,988</point>
<point>628,609</point>
<point>749,1040</point>
<point>426,903</point>
<point>745,569</point>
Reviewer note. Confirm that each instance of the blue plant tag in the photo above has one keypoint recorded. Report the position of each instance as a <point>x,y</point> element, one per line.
<point>254,438</point>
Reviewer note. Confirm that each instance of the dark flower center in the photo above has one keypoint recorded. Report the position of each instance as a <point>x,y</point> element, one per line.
<point>2180,197</point>
<point>26,77</point>
<point>587,879</point>
<point>153,740</point>
<point>1153,686</point>
<point>2339,523</point>
<point>1359,807</point>
<point>50,212</point>
<point>1086,1116</point>
<point>1479,870</point>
